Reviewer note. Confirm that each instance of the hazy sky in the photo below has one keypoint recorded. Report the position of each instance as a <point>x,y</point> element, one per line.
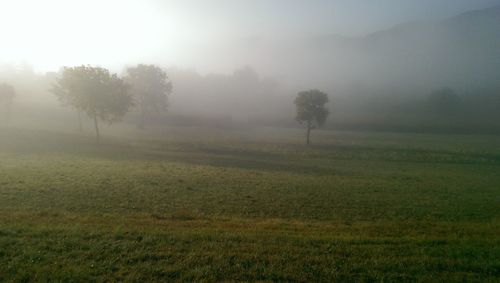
<point>51,33</point>
<point>348,17</point>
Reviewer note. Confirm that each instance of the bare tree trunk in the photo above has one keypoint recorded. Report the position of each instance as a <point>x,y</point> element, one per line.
<point>98,138</point>
<point>80,126</point>
<point>7,116</point>
<point>142,118</point>
<point>308,132</point>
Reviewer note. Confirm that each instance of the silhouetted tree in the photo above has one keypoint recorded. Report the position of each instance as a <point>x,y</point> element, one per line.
<point>7,94</point>
<point>444,101</point>
<point>94,91</point>
<point>150,88</point>
<point>311,109</point>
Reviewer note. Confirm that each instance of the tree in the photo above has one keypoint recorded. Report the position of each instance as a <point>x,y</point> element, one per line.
<point>150,88</point>
<point>7,94</point>
<point>444,101</point>
<point>95,92</point>
<point>311,109</point>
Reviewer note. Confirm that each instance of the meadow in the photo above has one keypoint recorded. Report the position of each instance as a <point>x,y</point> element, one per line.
<point>199,204</point>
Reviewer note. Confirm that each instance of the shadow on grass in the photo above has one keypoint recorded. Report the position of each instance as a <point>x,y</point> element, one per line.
<point>315,160</point>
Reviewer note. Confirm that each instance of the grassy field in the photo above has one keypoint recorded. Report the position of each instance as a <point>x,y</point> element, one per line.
<point>191,204</point>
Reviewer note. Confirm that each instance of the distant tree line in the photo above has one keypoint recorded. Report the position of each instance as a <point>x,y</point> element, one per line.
<point>105,97</point>
<point>7,94</point>
<point>241,99</point>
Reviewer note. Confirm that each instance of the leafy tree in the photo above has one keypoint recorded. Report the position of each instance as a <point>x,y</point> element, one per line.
<point>94,91</point>
<point>444,101</point>
<point>311,109</point>
<point>150,88</point>
<point>7,94</point>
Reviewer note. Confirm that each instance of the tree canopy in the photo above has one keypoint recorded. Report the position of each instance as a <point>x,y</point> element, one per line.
<point>7,94</point>
<point>311,109</point>
<point>444,101</point>
<point>94,91</point>
<point>150,88</point>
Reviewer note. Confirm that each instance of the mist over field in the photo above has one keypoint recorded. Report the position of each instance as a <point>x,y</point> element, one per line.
<point>378,79</point>
<point>250,141</point>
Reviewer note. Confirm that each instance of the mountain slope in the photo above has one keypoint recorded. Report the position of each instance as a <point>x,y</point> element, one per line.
<point>462,51</point>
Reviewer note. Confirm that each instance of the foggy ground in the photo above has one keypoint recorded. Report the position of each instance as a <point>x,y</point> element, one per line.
<point>194,167</point>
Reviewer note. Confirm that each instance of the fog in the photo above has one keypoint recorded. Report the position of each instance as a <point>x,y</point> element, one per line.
<point>242,62</point>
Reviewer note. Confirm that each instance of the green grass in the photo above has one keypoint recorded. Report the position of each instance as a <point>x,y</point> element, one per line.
<point>251,205</point>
